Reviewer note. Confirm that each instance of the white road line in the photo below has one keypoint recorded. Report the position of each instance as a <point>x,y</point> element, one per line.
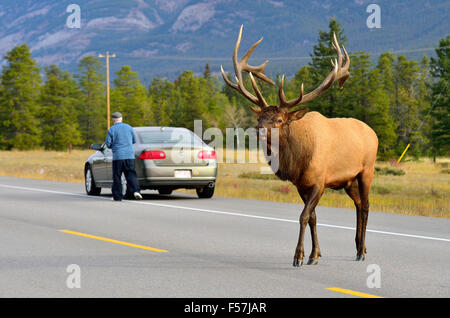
<point>222,212</point>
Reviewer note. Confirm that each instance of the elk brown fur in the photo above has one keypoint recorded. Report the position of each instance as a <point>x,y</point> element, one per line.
<point>314,152</point>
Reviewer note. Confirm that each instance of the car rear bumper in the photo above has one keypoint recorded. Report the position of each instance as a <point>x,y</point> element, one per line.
<point>175,184</point>
<point>154,176</point>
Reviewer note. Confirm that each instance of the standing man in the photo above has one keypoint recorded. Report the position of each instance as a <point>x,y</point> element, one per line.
<point>120,139</point>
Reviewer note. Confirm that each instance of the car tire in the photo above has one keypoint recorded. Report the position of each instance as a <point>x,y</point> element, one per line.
<point>165,191</point>
<point>89,183</point>
<point>205,192</point>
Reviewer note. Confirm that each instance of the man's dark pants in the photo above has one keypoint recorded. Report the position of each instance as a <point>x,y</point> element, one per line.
<point>128,167</point>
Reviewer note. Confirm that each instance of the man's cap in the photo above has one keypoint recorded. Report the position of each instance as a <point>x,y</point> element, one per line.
<point>116,115</point>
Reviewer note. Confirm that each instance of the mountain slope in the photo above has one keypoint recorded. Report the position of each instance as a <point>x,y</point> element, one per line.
<point>163,38</point>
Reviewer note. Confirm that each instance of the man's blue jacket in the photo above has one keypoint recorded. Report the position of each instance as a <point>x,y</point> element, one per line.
<point>120,139</point>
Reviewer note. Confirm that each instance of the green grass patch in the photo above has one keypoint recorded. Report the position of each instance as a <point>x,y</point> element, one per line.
<point>389,171</point>
<point>258,175</point>
<point>380,189</point>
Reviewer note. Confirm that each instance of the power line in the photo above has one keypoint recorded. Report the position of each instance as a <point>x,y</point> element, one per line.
<point>374,54</point>
<point>280,58</point>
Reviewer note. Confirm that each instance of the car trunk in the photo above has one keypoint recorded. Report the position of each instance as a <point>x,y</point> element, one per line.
<point>178,156</point>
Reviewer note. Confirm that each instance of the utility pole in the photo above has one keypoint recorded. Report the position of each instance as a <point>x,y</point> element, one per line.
<point>107,56</point>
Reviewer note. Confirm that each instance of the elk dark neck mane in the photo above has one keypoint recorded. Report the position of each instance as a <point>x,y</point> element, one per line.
<point>295,152</point>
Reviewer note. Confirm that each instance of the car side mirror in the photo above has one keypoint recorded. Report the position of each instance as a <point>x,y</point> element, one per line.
<point>97,147</point>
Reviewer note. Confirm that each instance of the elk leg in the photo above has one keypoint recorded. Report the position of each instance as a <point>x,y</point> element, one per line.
<point>315,252</point>
<point>353,193</point>
<point>312,198</point>
<point>364,187</point>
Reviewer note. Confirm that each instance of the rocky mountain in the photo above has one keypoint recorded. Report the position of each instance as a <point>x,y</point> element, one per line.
<point>165,37</point>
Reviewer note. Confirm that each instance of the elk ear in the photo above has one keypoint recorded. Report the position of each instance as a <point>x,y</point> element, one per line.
<point>254,109</point>
<point>298,114</point>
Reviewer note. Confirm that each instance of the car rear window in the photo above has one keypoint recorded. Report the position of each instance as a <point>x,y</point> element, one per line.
<point>175,136</point>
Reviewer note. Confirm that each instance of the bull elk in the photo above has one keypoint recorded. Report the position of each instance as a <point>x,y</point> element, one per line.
<point>315,152</point>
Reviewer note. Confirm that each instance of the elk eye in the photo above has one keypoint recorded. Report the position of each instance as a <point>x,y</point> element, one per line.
<point>279,121</point>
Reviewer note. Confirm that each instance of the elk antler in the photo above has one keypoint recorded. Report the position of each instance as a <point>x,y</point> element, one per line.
<point>339,73</point>
<point>343,66</point>
<point>242,65</point>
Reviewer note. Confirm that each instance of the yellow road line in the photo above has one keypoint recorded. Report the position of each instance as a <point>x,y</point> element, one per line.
<point>351,292</point>
<point>114,241</point>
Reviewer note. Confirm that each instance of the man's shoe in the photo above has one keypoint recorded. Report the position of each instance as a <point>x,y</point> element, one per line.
<point>137,196</point>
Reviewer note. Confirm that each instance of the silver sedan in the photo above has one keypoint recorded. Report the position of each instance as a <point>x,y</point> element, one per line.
<point>167,158</point>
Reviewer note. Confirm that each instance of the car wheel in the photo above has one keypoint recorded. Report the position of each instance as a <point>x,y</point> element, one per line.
<point>165,190</point>
<point>91,188</point>
<point>205,192</point>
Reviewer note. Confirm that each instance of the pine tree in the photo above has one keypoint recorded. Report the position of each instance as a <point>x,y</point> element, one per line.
<point>378,117</point>
<point>214,101</point>
<point>358,88</point>
<point>385,67</point>
<point>59,97</point>
<point>440,113</point>
<point>405,110</point>
<point>20,84</point>
<point>329,103</point>
<point>403,83</point>
<point>161,92</point>
<point>129,97</point>
<point>423,101</point>
<point>207,71</point>
<point>191,104</point>
<point>92,107</point>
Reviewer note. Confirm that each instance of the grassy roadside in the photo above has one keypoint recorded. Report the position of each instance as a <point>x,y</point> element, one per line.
<point>423,189</point>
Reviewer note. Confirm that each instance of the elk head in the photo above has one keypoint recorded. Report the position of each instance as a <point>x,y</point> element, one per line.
<point>282,115</point>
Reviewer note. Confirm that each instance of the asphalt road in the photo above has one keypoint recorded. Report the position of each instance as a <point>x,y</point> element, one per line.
<point>219,247</point>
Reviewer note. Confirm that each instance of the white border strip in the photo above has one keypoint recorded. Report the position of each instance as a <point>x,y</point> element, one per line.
<point>222,212</point>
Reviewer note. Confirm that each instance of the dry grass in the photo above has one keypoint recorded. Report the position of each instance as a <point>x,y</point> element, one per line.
<point>423,190</point>
<point>48,165</point>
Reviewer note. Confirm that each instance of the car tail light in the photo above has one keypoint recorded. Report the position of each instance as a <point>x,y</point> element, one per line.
<point>153,154</point>
<point>207,154</point>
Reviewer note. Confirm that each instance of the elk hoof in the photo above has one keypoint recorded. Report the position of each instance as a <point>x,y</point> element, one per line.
<point>297,263</point>
<point>360,258</point>
<point>312,261</point>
